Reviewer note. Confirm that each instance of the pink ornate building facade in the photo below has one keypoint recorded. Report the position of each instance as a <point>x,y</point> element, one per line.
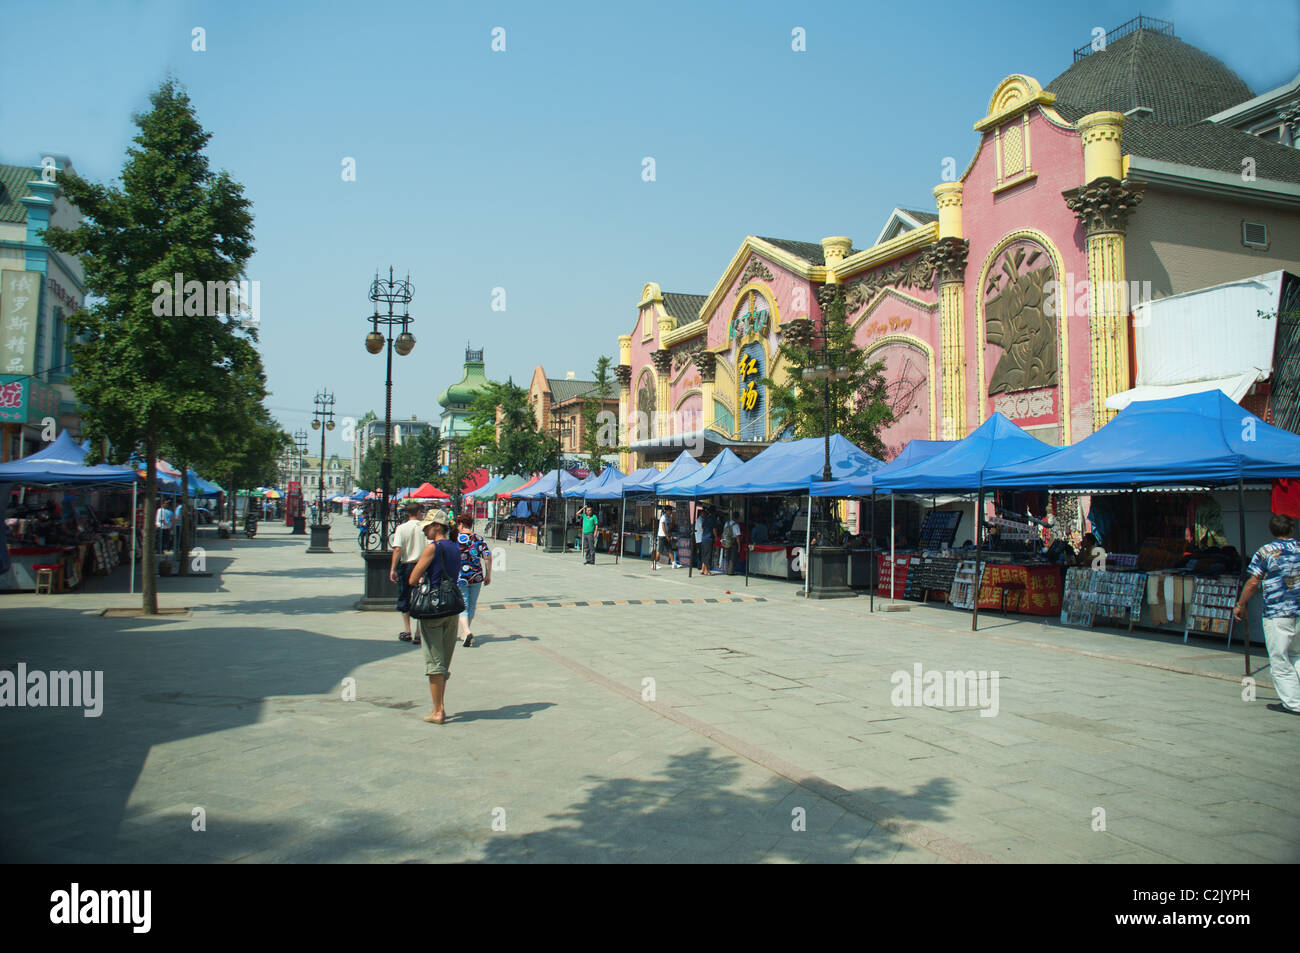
<point>1015,293</point>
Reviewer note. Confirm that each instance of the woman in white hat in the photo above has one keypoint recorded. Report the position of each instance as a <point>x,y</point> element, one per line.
<point>441,557</point>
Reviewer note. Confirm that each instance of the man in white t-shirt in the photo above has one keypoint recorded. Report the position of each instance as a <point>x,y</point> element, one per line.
<point>408,543</point>
<point>663,542</point>
<point>163,520</point>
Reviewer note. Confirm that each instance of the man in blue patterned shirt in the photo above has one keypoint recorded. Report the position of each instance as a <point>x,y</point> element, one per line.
<point>1276,570</point>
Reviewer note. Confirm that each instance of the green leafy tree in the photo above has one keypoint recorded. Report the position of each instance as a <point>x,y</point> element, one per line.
<point>597,432</point>
<point>511,443</point>
<point>859,402</point>
<point>140,372</point>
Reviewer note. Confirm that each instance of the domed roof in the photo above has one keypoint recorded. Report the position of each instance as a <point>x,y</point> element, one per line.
<point>1182,84</point>
<point>471,383</point>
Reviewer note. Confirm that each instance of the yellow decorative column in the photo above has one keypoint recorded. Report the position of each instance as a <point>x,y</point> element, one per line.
<point>706,362</point>
<point>1103,206</point>
<point>623,371</point>
<point>835,249</point>
<point>663,359</point>
<point>949,257</point>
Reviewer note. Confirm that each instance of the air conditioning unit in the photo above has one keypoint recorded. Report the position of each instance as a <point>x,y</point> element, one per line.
<point>1254,235</point>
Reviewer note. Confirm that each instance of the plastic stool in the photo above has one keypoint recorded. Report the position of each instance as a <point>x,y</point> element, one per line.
<point>46,577</point>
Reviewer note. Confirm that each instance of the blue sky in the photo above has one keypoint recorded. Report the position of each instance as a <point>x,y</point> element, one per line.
<point>522,169</point>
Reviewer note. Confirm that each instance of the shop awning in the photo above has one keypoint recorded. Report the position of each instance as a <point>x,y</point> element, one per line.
<point>687,486</point>
<point>545,487</point>
<point>692,438</point>
<point>1199,440</point>
<point>685,465</point>
<point>793,466</point>
<point>483,490</point>
<point>1208,339</point>
<point>526,484</point>
<point>608,485</point>
<point>427,491</point>
<point>62,462</point>
<point>961,465</point>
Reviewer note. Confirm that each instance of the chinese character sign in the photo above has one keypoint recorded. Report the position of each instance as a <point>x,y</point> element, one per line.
<point>751,396</point>
<point>13,402</point>
<point>20,295</point>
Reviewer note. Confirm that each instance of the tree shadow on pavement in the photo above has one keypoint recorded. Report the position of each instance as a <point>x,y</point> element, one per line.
<point>699,807</point>
<point>65,779</point>
<point>697,810</point>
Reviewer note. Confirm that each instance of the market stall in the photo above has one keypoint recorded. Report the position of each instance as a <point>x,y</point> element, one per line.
<point>782,473</point>
<point>1205,440</point>
<point>958,467</point>
<point>61,532</point>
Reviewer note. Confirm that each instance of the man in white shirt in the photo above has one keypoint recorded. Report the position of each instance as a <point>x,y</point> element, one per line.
<point>663,542</point>
<point>408,543</point>
<point>163,520</point>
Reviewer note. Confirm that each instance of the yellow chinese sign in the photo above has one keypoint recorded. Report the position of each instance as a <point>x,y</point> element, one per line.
<point>749,403</point>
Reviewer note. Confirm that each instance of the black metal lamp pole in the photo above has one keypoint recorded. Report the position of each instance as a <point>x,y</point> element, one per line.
<point>556,542</point>
<point>390,291</point>
<point>322,420</point>
<point>827,564</point>
<point>300,448</point>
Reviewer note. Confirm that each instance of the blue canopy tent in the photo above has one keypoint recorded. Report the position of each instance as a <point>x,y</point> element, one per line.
<point>688,486</point>
<point>644,484</point>
<point>544,489</point>
<point>1204,439</point>
<point>961,466</point>
<point>608,485</point>
<point>485,490</point>
<point>648,480</point>
<point>62,463</point>
<point>916,451</point>
<point>792,466</point>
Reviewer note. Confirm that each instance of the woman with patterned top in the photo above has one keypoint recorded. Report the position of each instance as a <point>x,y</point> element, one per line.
<point>475,571</point>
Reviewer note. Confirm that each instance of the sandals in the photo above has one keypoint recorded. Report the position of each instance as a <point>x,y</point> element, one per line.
<point>404,636</point>
<point>415,640</point>
<point>469,639</point>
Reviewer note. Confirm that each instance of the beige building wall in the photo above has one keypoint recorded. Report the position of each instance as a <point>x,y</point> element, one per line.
<point>1180,242</point>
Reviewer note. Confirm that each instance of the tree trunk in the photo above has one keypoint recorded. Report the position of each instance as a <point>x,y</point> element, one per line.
<point>149,564</point>
<point>182,537</point>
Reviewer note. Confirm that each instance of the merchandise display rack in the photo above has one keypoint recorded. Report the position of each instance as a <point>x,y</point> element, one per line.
<point>939,529</point>
<point>964,586</point>
<point>1211,608</point>
<point>1098,593</point>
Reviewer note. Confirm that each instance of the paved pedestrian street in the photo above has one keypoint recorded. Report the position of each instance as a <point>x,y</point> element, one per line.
<point>608,715</point>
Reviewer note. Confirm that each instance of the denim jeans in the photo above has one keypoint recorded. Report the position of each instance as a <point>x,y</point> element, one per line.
<point>470,591</point>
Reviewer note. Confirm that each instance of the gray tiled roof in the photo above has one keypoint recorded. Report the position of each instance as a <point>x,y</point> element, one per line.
<point>1211,146</point>
<point>13,188</point>
<point>565,389</point>
<point>811,252</point>
<point>925,218</point>
<point>683,307</point>
<point>1182,84</point>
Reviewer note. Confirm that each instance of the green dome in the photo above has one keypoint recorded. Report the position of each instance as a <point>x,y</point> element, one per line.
<point>470,385</point>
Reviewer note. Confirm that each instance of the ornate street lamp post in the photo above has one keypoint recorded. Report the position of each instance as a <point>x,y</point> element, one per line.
<point>827,573</point>
<point>322,420</point>
<point>555,534</point>
<point>391,292</point>
<point>300,448</point>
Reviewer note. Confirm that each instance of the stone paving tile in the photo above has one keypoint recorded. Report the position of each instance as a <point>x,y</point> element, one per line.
<point>585,771</point>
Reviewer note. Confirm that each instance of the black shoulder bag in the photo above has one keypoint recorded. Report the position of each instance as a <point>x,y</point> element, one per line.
<point>437,602</point>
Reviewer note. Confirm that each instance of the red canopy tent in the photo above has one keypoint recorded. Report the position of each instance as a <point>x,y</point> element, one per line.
<point>428,491</point>
<point>475,480</point>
